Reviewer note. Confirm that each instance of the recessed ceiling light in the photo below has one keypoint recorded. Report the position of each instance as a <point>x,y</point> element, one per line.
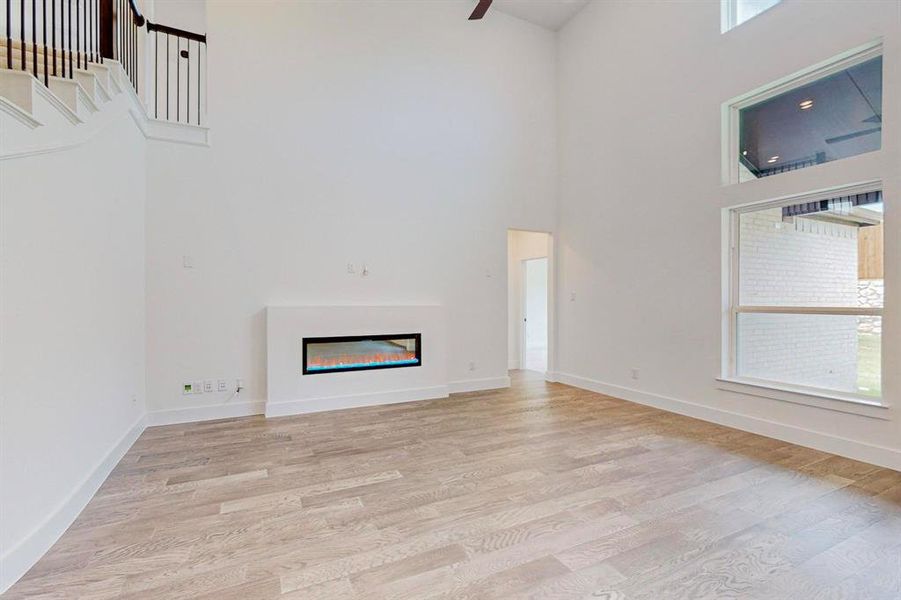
<point>773,159</point>
<point>744,152</point>
<point>806,104</point>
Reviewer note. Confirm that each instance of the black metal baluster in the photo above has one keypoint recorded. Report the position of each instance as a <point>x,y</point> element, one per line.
<point>46,70</point>
<point>22,32</point>
<point>34,38</point>
<point>156,75</point>
<point>168,60</point>
<point>199,58</point>
<point>53,32</point>
<point>125,62</point>
<point>77,34</point>
<point>177,79</point>
<point>9,34</point>
<point>131,52</point>
<point>188,85</point>
<point>88,32</point>
<point>69,43</point>
<point>62,38</point>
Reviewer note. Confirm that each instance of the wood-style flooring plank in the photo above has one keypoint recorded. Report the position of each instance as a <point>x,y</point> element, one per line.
<point>540,491</point>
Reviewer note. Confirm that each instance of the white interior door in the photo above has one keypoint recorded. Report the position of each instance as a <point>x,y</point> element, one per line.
<point>535,308</point>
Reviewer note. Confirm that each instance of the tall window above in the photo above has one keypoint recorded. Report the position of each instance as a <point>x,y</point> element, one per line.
<point>831,114</point>
<point>807,294</point>
<point>736,12</point>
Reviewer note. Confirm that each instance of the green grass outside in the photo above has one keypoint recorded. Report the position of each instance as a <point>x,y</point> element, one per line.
<point>869,364</point>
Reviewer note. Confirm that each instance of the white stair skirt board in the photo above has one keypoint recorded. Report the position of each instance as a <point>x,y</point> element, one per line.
<point>74,96</point>
<point>37,119</point>
<point>17,560</point>
<point>312,405</point>
<point>194,414</point>
<point>877,455</point>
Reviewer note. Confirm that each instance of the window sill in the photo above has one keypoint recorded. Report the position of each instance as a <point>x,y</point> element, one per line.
<point>873,408</point>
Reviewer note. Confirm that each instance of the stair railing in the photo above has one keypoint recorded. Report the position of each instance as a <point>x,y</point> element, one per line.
<point>178,92</point>
<point>52,38</point>
<point>127,22</point>
<point>56,38</point>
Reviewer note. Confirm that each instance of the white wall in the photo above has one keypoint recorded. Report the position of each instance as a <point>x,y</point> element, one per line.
<point>521,245</point>
<point>641,85</point>
<point>395,134</point>
<point>72,321</point>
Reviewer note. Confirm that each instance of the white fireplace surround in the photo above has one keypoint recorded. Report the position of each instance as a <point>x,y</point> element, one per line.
<point>289,392</point>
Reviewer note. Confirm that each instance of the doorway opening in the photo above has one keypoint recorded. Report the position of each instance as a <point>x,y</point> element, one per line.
<point>528,300</point>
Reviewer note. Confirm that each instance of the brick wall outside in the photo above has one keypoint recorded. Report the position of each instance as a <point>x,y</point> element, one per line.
<point>800,263</point>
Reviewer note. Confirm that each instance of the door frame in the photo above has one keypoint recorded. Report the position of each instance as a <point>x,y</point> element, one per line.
<point>551,372</point>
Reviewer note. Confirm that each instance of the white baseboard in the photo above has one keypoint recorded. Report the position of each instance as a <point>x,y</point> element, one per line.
<point>174,416</point>
<point>877,455</point>
<point>21,557</point>
<point>311,405</point>
<point>478,385</point>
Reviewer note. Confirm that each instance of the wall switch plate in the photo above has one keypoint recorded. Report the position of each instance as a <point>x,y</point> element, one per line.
<point>223,386</point>
<point>187,262</point>
<point>207,386</point>
<point>188,388</point>
<point>198,387</point>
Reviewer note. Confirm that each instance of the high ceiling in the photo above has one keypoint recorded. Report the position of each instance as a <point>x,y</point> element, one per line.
<point>550,14</point>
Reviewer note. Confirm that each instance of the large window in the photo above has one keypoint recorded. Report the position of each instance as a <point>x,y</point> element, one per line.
<point>736,12</point>
<point>830,113</point>
<point>807,293</point>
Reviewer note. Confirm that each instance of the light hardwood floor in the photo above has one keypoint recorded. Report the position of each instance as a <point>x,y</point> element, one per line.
<point>539,491</point>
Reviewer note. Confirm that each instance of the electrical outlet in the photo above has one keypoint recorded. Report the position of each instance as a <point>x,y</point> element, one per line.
<point>350,268</point>
<point>635,373</point>
<point>208,387</point>
<point>572,296</point>
<point>198,387</point>
<point>472,366</point>
<point>223,385</point>
<point>188,388</point>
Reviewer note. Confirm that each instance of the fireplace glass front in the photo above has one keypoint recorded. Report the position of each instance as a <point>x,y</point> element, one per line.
<point>361,352</point>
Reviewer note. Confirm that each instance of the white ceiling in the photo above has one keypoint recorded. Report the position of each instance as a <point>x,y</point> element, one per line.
<point>552,14</point>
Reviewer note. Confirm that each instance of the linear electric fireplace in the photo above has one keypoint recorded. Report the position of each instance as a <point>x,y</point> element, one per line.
<point>361,352</point>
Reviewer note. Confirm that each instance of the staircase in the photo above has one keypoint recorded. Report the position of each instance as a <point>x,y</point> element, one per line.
<point>68,67</point>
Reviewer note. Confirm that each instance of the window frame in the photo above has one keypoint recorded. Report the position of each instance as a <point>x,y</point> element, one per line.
<point>731,380</point>
<point>732,107</point>
<point>729,14</point>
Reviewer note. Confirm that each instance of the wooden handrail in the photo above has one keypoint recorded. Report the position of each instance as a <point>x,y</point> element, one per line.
<point>188,35</point>
<point>136,14</point>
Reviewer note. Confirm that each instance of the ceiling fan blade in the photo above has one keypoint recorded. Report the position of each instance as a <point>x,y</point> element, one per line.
<point>851,136</point>
<point>480,10</point>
